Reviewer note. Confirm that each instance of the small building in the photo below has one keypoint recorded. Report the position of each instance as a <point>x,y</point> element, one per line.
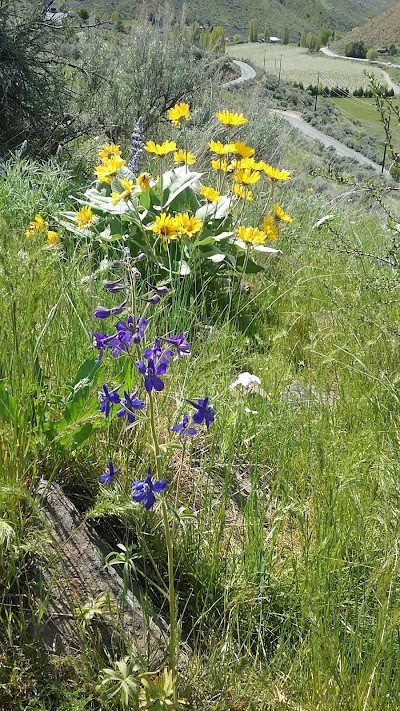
<point>54,17</point>
<point>382,50</point>
<point>274,40</point>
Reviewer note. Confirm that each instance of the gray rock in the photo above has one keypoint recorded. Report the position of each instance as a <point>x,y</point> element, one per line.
<point>296,394</point>
<point>72,572</point>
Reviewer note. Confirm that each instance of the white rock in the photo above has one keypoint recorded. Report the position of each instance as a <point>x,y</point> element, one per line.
<point>249,383</point>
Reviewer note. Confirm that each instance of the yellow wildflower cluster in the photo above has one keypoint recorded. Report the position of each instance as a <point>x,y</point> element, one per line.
<point>84,217</point>
<point>171,227</point>
<point>111,162</point>
<point>178,113</point>
<point>38,226</point>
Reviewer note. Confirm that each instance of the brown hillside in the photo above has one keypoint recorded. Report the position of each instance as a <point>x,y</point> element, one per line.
<point>382,31</point>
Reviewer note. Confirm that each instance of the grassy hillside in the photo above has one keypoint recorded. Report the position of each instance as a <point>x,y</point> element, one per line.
<point>382,31</point>
<point>235,15</point>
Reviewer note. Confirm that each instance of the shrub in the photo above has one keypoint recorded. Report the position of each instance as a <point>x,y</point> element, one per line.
<point>144,78</point>
<point>32,86</point>
<point>372,53</point>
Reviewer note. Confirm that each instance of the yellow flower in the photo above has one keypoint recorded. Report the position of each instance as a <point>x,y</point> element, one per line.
<point>280,214</point>
<point>275,173</point>
<point>160,149</point>
<point>242,192</point>
<point>109,151</point>
<point>221,149</point>
<point>179,112</point>
<point>143,182</point>
<point>270,228</point>
<point>126,193</point>
<point>108,170</point>
<point>188,224</point>
<point>310,190</point>
<point>230,119</point>
<point>220,165</point>
<point>84,217</point>
<point>210,194</point>
<point>52,237</point>
<point>247,176</point>
<point>165,225</point>
<point>36,225</point>
<point>252,235</point>
<point>243,149</point>
<point>181,156</point>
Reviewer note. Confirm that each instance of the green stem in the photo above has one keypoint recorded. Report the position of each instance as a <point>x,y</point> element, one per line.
<point>170,553</point>
<point>171,595</point>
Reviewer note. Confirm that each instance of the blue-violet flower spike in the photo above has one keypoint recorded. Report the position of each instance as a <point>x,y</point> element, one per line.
<point>151,373</point>
<point>143,491</point>
<point>183,427</point>
<point>109,474</point>
<point>205,412</point>
<point>114,286</point>
<point>154,300</point>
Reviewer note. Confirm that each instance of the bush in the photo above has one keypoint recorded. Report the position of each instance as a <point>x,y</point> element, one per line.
<point>143,78</point>
<point>32,86</point>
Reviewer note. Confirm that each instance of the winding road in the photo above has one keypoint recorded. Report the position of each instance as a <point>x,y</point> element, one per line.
<point>298,122</point>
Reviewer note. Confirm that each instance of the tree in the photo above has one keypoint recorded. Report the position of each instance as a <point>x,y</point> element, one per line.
<point>253,33</point>
<point>267,33</point>
<point>372,53</point>
<point>217,39</point>
<point>286,35</point>
<point>356,49</point>
<point>324,37</point>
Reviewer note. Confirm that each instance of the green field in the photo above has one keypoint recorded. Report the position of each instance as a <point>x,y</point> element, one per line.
<point>364,110</point>
<point>299,65</point>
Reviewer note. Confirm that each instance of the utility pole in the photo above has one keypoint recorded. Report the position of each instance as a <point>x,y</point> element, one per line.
<point>316,95</point>
<point>265,53</point>
<point>280,69</point>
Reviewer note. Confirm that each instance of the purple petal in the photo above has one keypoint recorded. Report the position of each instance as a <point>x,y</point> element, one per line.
<point>149,500</point>
<point>102,312</point>
<point>160,486</point>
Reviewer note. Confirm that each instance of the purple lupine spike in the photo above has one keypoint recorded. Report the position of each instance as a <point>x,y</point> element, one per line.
<point>137,144</point>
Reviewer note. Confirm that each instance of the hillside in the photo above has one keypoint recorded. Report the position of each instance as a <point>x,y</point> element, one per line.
<point>235,15</point>
<point>383,30</point>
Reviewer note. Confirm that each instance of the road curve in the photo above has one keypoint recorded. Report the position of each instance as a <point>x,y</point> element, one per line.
<point>391,85</point>
<point>295,120</point>
<point>247,73</point>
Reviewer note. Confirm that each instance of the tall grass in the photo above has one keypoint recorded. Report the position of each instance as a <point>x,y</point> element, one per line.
<point>288,568</point>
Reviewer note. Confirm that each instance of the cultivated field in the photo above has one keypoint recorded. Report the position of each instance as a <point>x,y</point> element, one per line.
<point>299,65</point>
<point>364,110</point>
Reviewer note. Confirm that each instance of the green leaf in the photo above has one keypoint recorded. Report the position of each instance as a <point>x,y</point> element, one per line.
<point>7,404</point>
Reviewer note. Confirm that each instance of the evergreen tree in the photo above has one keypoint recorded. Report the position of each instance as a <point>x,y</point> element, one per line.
<point>267,33</point>
<point>286,35</point>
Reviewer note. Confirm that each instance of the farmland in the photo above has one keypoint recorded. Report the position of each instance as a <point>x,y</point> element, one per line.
<point>299,65</point>
<point>364,111</point>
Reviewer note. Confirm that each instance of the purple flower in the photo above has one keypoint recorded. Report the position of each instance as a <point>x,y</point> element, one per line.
<point>160,290</point>
<point>141,257</point>
<point>130,403</point>
<point>107,398</point>
<point>114,286</point>
<point>151,373</point>
<point>180,343</point>
<point>154,300</point>
<point>109,474</point>
<point>135,273</point>
<point>141,326</point>
<point>116,264</point>
<point>205,412</point>
<point>143,491</point>
<point>137,144</point>
<point>102,312</point>
<point>157,353</point>
<point>99,341</point>
<point>183,427</point>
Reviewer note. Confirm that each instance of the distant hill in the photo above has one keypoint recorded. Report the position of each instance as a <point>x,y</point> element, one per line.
<point>235,15</point>
<point>382,31</point>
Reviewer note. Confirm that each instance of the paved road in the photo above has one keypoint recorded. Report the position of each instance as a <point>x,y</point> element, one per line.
<point>247,73</point>
<point>391,85</point>
<point>295,120</point>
